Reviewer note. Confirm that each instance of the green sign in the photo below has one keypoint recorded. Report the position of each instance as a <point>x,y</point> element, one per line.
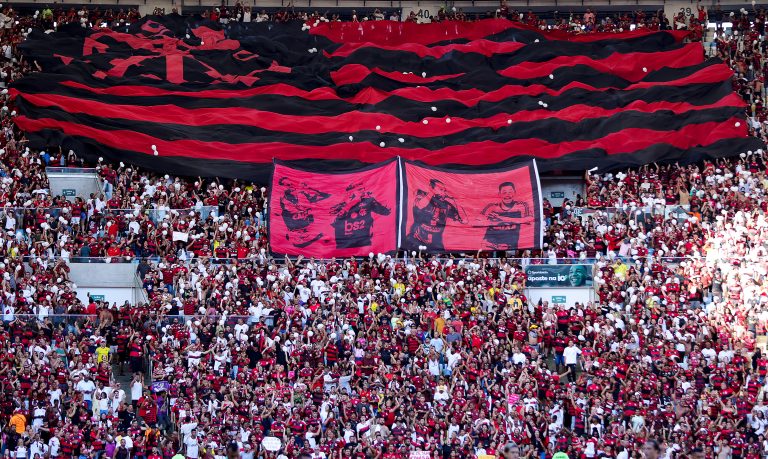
<point>557,195</point>
<point>558,299</point>
<point>97,297</point>
<point>69,192</point>
<point>560,276</point>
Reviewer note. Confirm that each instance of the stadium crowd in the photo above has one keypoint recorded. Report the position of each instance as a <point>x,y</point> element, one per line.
<point>378,357</point>
<point>14,24</point>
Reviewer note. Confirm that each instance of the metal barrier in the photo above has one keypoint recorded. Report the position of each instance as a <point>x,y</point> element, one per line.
<point>79,321</point>
<point>70,170</point>
<point>443,258</point>
<point>155,215</point>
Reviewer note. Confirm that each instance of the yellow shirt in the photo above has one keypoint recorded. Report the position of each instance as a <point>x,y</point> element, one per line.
<point>439,324</point>
<point>102,354</point>
<point>621,270</point>
<point>19,422</point>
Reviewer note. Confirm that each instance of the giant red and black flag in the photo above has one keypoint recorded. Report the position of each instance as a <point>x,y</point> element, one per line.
<point>188,96</point>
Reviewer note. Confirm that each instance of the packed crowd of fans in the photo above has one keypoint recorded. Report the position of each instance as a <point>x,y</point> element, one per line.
<point>380,356</point>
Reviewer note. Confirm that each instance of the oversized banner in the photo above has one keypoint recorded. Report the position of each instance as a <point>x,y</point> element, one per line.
<point>456,210</point>
<point>191,96</point>
<point>327,214</point>
<point>563,276</point>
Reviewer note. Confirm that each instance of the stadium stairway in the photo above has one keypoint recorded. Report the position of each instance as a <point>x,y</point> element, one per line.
<point>124,379</point>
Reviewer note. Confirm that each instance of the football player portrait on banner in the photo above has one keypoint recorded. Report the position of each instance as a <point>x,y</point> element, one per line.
<point>330,214</point>
<point>457,210</point>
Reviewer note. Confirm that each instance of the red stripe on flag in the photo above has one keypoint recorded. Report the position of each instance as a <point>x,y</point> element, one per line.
<point>469,97</point>
<point>349,122</point>
<point>483,47</point>
<point>392,33</point>
<point>478,153</point>
<point>355,73</point>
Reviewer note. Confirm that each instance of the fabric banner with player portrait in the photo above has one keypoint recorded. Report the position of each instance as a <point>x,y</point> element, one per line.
<point>448,210</point>
<point>333,214</point>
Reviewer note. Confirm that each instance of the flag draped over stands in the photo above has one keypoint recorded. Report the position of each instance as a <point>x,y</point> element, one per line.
<point>187,96</point>
<point>321,214</point>
<point>455,210</point>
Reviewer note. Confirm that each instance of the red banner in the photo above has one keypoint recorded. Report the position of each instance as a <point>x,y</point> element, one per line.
<point>456,210</point>
<point>327,214</point>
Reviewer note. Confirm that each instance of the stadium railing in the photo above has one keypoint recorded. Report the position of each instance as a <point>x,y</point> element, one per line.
<point>75,322</point>
<point>70,170</point>
<point>629,259</point>
<point>156,215</point>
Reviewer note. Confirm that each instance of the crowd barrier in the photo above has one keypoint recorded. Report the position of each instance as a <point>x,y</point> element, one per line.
<point>75,322</point>
<point>158,215</point>
<point>155,215</point>
<point>70,170</point>
<point>395,258</point>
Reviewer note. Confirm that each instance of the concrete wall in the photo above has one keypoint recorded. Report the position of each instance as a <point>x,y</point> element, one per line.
<point>81,185</point>
<point>111,282</point>
<point>571,295</point>
<point>110,295</point>
<point>558,188</point>
<point>103,275</point>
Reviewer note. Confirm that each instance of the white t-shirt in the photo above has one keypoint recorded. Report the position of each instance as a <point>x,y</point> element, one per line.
<point>37,447</point>
<point>38,416</point>
<point>193,358</point>
<point>437,344</point>
<point>241,329</point>
<point>187,428</point>
<point>193,447</point>
<point>9,313</point>
<point>87,388</point>
<point>54,394</point>
<point>708,353</point>
<point>344,383</point>
<point>434,367</point>
<point>571,355</point>
<point>53,446</point>
<point>136,390</point>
